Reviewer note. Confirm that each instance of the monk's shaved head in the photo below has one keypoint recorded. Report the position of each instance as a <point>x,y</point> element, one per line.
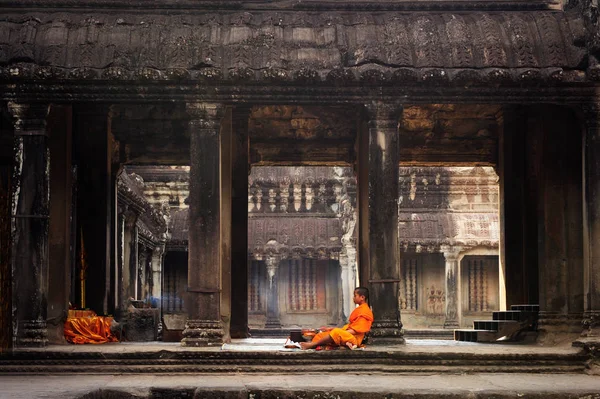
<point>362,291</point>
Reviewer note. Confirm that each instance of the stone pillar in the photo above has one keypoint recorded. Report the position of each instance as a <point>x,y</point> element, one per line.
<point>61,194</point>
<point>383,250</point>
<point>204,327</point>
<point>514,269</point>
<point>451,287</point>
<point>31,202</point>
<point>348,256</point>
<point>273,321</point>
<point>157,268</point>
<point>158,257</point>
<point>142,278</point>
<point>120,259</point>
<point>130,258</point>
<point>560,221</point>
<point>239,222</point>
<point>591,237</point>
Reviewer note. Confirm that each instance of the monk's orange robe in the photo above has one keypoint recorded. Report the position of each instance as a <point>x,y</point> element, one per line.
<point>361,319</point>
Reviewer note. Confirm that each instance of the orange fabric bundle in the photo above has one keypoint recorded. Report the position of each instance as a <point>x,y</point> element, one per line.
<point>89,330</point>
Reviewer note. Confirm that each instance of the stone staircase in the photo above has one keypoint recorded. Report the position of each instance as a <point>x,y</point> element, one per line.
<point>507,325</point>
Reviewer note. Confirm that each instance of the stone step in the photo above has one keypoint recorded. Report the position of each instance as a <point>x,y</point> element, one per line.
<point>438,333</point>
<point>506,324</point>
<point>515,315</point>
<point>396,361</point>
<point>527,308</point>
<point>340,385</point>
<point>492,325</point>
<point>472,335</point>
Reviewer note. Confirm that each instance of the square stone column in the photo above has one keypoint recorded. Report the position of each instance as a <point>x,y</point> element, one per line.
<point>382,163</point>
<point>30,217</point>
<point>451,286</point>
<point>273,321</point>
<point>204,326</point>
<point>240,169</point>
<point>591,150</point>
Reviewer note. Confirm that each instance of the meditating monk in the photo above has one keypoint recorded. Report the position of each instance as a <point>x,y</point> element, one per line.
<point>352,334</point>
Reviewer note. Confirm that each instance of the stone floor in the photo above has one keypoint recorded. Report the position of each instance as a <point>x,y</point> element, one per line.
<point>354,383</point>
<point>276,345</point>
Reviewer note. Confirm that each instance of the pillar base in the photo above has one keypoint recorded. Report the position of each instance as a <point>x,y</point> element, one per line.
<point>32,334</point>
<point>591,324</point>
<point>202,333</point>
<point>387,333</point>
<point>273,324</point>
<point>557,328</point>
<point>451,324</point>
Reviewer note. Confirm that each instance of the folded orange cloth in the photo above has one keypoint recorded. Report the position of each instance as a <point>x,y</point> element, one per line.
<point>81,313</point>
<point>89,330</point>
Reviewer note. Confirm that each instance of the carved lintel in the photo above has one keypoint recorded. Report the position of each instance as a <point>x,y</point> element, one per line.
<point>202,333</point>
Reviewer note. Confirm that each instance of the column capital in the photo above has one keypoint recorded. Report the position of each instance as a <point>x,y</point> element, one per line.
<point>383,112</point>
<point>451,253</point>
<point>159,250</point>
<point>241,111</point>
<point>591,112</point>
<point>30,118</point>
<point>205,116</point>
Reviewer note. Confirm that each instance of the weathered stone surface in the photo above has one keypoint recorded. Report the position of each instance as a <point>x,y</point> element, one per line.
<point>461,208</point>
<point>30,218</point>
<point>275,46</point>
<point>204,271</point>
<point>383,251</point>
<point>439,132</point>
<point>142,324</point>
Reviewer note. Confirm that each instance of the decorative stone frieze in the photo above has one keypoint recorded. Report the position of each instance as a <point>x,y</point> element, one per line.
<point>257,45</point>
<point>312,5</point>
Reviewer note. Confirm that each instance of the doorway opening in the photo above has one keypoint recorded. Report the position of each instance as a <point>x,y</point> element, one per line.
<point>302,266</point>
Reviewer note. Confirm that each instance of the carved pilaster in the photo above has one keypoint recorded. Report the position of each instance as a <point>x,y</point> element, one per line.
<point>348,254</point>
<point>30,217</point>
<point>384,254</point>
<point>591,234</point>
<point>203,300</point>
<point>451,285</point>
<point>273,321</point>
<point>158,255</point>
